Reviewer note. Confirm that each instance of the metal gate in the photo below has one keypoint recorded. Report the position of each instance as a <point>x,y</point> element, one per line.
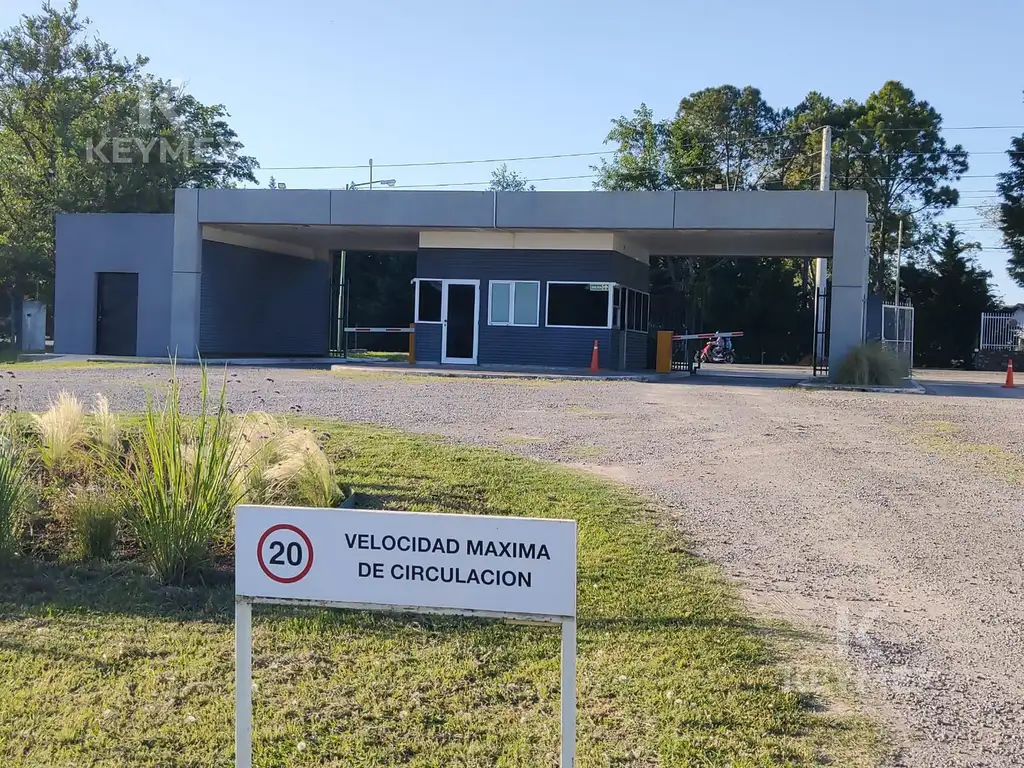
<point>1000,330</point>
<point>898,331</point>
<point>822,326</point>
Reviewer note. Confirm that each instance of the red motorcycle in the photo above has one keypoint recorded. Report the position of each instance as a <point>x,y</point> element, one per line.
<point>717,350</point>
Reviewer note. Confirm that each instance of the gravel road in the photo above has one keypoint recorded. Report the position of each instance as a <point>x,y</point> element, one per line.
<point>891,523</point>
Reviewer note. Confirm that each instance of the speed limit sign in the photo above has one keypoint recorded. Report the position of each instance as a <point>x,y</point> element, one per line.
<point>476,565</point>
<point>285,553</point>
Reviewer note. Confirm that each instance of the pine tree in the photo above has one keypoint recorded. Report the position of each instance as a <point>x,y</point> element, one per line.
<point>949,292</point>
<point>1011,210</point>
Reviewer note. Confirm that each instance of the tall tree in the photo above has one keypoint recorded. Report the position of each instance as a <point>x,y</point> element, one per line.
<point>894,150</point>
<point>505,180</point>
<point>725,138</point>
<point>641,149</point>
<point>949,292</point>
<point>729,138</point>
<point>1011,210</point>
<point>85,130</point>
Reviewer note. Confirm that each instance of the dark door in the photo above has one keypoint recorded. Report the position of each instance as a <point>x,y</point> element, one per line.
<point>117,313</point>
<point>460,322</point>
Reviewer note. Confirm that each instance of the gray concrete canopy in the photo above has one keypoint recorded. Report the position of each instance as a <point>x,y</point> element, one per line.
<point>724,224</point>
<point>302,227</point>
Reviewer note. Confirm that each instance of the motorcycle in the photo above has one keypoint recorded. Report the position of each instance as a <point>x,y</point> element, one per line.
<point>716,351</point>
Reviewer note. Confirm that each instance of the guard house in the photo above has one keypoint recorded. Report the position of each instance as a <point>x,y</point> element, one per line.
<point>502,278</point>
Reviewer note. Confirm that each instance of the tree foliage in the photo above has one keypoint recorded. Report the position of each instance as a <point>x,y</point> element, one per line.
<point>1011,210</point>
<point>720,138</point>
<point>949,292</point>
<point>85,130</point>
<point>505,180</point>
<point>894,150</point>
<point>729,138</point>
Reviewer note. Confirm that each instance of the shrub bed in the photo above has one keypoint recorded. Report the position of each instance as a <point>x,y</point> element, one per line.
<point>78,484</point>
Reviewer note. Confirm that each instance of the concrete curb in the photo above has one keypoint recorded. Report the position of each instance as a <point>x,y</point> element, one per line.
<point>554,376</point>
<point>254,362</point>
<point>916,389</point>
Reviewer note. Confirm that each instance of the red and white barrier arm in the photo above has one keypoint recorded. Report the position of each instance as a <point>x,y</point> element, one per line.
<point>725,335</point>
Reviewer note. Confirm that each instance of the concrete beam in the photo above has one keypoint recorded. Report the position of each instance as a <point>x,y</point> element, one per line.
<point>849,274</point>
<point>264,206</point>
<point>184,342</point>
<point>583,210</point>
<point>187,264</point>
<point>403,208</point>
<point>500,240</point>
<point>231,237</point>
<point>753,210</point>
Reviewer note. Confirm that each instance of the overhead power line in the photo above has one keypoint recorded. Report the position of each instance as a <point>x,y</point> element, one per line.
<point>480,183</point>
<point>435,163</point>
<point>599,153</point>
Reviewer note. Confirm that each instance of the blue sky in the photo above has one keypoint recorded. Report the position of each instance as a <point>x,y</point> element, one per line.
<point>315,82</point>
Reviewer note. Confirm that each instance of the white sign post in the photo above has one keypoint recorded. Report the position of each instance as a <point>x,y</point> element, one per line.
<point>509,568</point>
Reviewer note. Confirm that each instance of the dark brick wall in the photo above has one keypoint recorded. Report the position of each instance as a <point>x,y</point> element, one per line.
<point>257,303</point>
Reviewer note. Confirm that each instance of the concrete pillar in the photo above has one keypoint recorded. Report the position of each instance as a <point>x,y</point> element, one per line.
<point>185,278</point>
<point>849,274</point>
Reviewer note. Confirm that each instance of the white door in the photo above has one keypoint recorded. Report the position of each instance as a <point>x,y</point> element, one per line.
<point>460,314</point>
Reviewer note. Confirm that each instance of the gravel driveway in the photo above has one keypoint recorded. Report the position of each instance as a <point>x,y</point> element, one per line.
<point>893,523</point>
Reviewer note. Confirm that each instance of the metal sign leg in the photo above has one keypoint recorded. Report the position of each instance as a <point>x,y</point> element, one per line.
<point>243,684</point>
<point>568,693</point>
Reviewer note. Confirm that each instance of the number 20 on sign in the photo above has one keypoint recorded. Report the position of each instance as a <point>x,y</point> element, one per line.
<point>285,553</point>
<point>498,567</point>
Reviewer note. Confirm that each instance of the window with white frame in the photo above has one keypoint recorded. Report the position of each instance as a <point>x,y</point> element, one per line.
<point>634,310</point>
<point>428,300</point>
<point>514,302</point>
<point>580,305</point>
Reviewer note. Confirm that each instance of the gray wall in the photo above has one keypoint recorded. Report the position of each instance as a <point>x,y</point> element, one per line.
<point>512,345</point>
<point>636,350</point>
<point>255,303</point>
<point>112,242</point>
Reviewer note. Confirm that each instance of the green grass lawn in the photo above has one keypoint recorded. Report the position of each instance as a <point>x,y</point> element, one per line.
<point>102,667</point>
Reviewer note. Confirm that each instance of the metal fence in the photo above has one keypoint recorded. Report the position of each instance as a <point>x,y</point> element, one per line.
<point>1000,330</point>
<point>898,331</point>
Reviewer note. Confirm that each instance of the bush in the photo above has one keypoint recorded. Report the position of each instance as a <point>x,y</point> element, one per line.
<point>107,432</point>
<point>183,479</point>
<point>95,519</point>
<point>258,447</point>
<point>870,364</point>
<point>61,430</point>
<point>304,474</point>
<point>14,490</point>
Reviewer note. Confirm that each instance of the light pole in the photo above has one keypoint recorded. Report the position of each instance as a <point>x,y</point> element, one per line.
<point>371,182</point>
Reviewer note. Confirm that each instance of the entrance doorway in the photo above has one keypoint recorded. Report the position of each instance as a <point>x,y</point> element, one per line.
<point>460,311</point>
<point>117,313</point>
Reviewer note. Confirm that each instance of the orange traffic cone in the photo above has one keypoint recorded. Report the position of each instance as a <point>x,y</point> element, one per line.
<point>1009,374</point>
<point>593,358</point>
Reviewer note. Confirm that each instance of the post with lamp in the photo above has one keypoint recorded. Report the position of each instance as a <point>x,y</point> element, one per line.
<point>369,184</point>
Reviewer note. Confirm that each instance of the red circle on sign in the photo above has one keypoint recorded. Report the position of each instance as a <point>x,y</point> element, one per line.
<point>302,535</point>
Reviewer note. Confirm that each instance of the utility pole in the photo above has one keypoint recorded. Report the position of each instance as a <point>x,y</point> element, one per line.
<point>899,249</point>
<point>371,174</point>
<point>821,268</point>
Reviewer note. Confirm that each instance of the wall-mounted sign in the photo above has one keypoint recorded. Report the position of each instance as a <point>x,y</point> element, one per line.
<point>600,287</point>
<point>481,565</point>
